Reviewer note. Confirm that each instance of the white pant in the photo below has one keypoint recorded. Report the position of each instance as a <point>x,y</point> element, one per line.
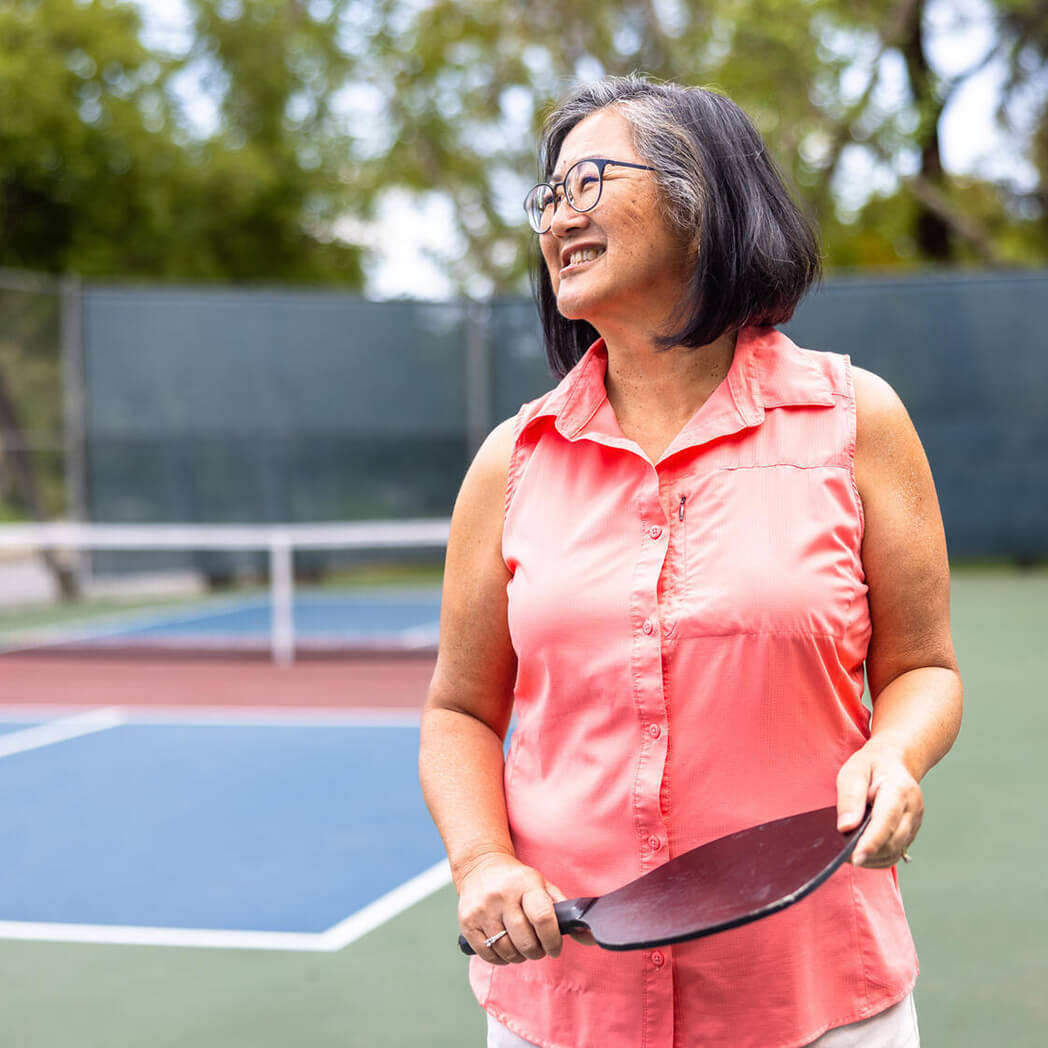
<point>895,1027</point>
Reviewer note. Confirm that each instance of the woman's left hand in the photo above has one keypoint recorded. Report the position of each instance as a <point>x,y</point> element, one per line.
<point>877,775</point>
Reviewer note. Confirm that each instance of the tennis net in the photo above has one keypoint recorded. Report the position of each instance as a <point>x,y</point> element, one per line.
<point>281,590</point>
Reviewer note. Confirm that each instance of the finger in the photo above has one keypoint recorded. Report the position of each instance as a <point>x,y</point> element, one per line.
<point>875,843</point>
<point>894,850</point>
<point>584,938</point>
<point>897,810</point>
<point>478,941</point>
<point>538,909</point>
<point>853,793</point>
<point>503,950</point>
<point>554,892</point>
<point>523,936</point>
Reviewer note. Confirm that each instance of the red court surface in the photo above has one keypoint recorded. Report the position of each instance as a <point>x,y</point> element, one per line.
<point>365,682</point>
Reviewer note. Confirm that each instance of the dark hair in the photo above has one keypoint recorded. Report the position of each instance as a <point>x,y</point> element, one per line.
<point>757,252</point>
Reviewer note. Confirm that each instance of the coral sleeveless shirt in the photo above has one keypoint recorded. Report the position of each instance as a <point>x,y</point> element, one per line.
<point>690,638</point>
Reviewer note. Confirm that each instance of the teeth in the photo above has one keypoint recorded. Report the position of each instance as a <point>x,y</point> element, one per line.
<point>586,254</point>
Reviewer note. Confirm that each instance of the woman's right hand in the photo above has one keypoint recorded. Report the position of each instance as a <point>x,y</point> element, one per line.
<point>500,892</point>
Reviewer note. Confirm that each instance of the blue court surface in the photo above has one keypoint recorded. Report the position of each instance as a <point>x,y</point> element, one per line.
<point>282,833</point>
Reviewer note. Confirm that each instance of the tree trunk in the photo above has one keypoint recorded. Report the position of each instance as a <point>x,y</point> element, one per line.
<point>934,235</point>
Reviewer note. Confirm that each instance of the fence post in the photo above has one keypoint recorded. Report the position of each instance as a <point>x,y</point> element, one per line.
<point>73,396</point>
<point>478,375</point>
<point>74,412</point>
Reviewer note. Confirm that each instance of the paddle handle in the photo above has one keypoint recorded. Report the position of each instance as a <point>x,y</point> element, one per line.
<point>569,919</point>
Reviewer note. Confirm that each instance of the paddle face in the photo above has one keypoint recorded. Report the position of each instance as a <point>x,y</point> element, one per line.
<point>723,884</point>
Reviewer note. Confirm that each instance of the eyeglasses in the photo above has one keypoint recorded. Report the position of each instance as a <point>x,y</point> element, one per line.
<point>581,188</point>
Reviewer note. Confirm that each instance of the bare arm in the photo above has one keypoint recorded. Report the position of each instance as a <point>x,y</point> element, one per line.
<point>912,672</point>
<point>465,721</point>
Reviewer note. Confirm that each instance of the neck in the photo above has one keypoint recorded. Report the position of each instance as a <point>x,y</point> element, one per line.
<point>664,387</point>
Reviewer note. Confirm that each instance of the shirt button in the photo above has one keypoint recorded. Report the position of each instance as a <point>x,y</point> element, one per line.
<point>654,843</point>
<point>655,531</point>
<point>654,731</point>
<point>649,626</point>
<point>658,959</point>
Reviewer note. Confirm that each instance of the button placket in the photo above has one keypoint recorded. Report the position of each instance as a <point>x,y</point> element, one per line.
<point>648,696</point>
<point>649,823</point>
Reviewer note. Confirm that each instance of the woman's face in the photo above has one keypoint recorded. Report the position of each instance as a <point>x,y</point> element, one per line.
<point>621,263</point>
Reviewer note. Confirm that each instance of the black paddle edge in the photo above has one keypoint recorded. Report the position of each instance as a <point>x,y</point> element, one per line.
<point>782,903</point>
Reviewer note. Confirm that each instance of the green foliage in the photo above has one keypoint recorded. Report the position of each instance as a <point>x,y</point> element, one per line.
<point>101,174</point>
<point>467,85</point>
<point>324,106</point>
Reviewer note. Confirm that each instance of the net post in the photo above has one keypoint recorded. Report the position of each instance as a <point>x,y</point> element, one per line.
<point>281,587</point>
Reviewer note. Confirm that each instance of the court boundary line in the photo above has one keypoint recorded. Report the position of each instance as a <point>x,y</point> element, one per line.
<point>335,938</point>
<point>388,906</point>
<point>71,727</point>
<point>233,716</point>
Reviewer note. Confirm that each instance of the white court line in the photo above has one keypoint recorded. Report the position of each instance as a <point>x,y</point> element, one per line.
<point>420,636</point>
<point>130,935</point>
<point>335,938</point>
<point>236,716</point>
<point>61,730</point>
<point>386,908</point>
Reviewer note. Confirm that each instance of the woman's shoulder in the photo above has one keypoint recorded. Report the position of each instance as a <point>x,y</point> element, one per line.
<point>888,450</point>
<point>877,405</point>
<point>491,462</point>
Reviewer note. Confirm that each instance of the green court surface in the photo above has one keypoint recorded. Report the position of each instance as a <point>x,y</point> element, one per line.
<point>975,894</point>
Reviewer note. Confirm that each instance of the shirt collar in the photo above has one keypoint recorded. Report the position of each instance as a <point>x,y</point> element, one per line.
<point>767,371</point>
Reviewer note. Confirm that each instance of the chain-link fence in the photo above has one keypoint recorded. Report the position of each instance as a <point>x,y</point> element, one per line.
<point>236,405</point>
<point>32,429</point>
<point>968,356</point>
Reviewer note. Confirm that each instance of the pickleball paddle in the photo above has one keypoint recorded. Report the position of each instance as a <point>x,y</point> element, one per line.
<point>723,884</point>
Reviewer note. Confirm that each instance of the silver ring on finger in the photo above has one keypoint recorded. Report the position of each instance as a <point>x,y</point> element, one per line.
<point>492,939</point>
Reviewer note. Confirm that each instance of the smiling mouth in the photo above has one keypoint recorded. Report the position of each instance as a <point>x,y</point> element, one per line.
<point>582,255</point>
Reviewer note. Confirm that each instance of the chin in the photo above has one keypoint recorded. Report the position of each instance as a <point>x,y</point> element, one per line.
<point>572,307</point>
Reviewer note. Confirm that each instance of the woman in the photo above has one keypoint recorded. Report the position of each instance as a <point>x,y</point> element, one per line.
<point>675,568</point>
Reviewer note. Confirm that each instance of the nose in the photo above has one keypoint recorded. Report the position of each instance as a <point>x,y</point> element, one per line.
<point>565,217</point>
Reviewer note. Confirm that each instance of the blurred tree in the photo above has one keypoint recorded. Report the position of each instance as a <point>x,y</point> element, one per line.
<point>278,169</point>
<point>845,91</point>
<point>101,174</point>
<point>323,107</point>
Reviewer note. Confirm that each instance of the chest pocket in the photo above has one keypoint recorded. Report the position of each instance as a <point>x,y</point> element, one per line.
<point>766,549</point>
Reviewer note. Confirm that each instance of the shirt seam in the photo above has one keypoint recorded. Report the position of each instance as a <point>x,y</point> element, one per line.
<point>761,633</point>
<point>850,442</point>
<point>774,465</point>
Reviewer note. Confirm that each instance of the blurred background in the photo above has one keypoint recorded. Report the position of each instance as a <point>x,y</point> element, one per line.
<point>264,288</point>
